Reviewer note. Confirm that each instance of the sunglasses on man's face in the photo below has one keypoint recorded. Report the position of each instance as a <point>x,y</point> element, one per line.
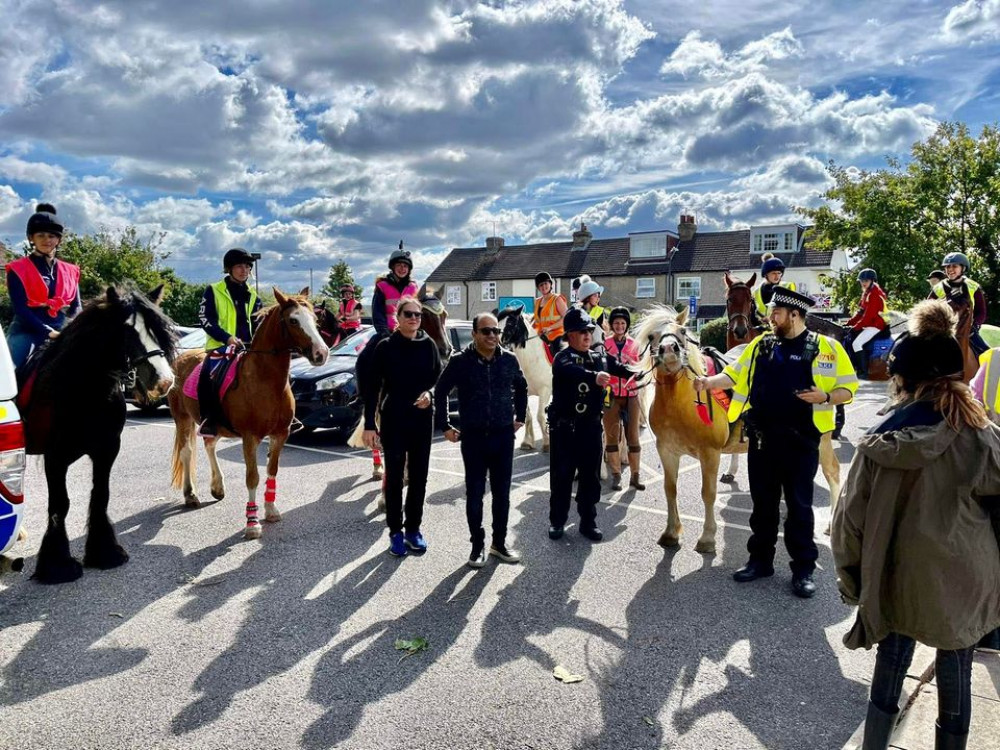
<point>412,314</point>
<point>489,331</point>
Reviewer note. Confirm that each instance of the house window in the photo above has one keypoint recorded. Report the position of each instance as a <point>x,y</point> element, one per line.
<point>489,291</point>
<point>645,288</point>
<point>788,242</point>
<point>773,240</point>
<point>688,286</point>
<point>454,296</point>
<point>648,246</point>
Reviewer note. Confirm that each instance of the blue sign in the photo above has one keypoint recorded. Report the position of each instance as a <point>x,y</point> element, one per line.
<point>528,302</point>
<point>692,305</point>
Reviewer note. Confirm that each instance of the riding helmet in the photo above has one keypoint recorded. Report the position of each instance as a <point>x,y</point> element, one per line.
<point>44,220</point>
<point>541,278</point>
<point>578,319</point>
<point>868,274</point>
<point>771,264</point>
<point>234,257</point>
<point>347,288</point>
<point>400,256</point>
<point>937,275</point>
<point>623,313</point>
<point>588,288</point>
<point>958,259</point>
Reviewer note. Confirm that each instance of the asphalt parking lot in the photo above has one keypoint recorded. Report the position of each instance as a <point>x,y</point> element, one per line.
<point>204,640</point>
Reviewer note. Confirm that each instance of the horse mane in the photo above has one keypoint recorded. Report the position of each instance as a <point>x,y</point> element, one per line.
<point>652,327</point>
<point>519,329</point>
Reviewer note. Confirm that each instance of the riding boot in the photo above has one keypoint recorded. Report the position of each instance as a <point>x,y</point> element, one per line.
<point>947,741</point>
<point>633,466</point>
<point>615,464</point>
<point>878,728</point>
<point>839,420</point>
<point>863,365</point>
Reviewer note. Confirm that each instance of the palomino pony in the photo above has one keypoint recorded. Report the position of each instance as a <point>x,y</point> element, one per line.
<point>258,405</point>
<point>76,407</point>
<point>530,353</point>
<point>740,304</point>
<point>674,359</point>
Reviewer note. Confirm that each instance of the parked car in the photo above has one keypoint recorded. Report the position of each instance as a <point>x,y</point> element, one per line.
<point>327,396</point>
<point>12,461</point>
<point>194,339</point>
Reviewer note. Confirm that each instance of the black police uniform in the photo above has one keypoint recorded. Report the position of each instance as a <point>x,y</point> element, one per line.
<point>575,431</point>
<point>784,450</point>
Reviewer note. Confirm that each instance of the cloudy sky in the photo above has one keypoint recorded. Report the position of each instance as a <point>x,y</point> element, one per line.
<point>315,131</point>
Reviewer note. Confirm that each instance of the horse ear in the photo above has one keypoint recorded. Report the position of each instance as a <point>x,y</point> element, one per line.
<point>280,298</point>
<point>304,292</point>
<point>682,317</point>
<point>729,281</point>
<point>112,295</point>
<point>156,296</point>
<point>752,280</point>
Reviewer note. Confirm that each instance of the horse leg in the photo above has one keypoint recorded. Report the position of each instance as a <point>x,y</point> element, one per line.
<point>831,470</point>
<point>543,423</point>
<point>218,485</point>
<point>274,445</point>
<point>55,564</point>
<point>671,536</point>
<point>734,466</point>
<point>709,470</point>
<point>102,550</point>
<point>253,529</point>
<point>185,459</point>
<point>377,471</point>
<point>528,442</point>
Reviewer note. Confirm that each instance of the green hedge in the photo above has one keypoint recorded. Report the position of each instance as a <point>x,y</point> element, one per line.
<point>713,333</point>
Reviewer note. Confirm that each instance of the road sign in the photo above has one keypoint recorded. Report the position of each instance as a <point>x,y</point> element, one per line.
<point>692,305</point>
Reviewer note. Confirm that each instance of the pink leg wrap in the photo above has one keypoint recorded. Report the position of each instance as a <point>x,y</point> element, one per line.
<point>270,489</point>
<point>376,457</point>
<point>251,513</point>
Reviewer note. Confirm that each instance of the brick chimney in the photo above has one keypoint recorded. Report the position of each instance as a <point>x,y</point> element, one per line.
<point>582,237</point>
<point>687,227</point>
<point>493,244</point>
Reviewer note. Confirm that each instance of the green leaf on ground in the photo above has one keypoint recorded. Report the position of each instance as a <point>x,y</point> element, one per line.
<point>411,646</point>
<point>564,675</point>
<point>649,721</point>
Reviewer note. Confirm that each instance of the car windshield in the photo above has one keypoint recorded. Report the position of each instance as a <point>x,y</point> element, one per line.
<point>352,345</point>
<point>194,340</point>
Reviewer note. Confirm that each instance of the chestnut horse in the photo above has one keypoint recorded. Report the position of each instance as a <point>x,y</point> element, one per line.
<point>258,405</point>
<point>674,359</point>
<point>740,328</point>
<point>962,306</point>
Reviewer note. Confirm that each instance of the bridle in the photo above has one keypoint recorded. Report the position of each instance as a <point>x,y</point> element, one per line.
<point>734,317</point>
<point>129,376</point>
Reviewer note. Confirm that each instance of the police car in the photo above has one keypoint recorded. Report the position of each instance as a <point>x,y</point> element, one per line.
<point>11,461</point>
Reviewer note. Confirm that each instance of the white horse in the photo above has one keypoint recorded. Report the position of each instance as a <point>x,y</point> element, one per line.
<point>530,353</point>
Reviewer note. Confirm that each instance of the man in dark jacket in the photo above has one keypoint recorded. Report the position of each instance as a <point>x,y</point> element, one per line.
<point>492,401</point>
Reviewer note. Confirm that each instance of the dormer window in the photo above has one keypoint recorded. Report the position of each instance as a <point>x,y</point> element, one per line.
<point>648,245</point>
<point>781,239</point>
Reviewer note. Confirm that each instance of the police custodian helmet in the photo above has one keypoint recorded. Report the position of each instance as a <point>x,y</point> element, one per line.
<point>234,257</point>
<point>578,319</point>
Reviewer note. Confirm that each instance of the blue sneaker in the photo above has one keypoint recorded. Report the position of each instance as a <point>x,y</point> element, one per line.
<point>397,547</point>
<point>415,542</point>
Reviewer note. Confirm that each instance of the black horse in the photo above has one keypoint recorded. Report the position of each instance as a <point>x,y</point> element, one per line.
<point>76,407</point>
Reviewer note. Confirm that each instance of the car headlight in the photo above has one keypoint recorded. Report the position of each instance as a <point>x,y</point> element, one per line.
<point>334,381</point>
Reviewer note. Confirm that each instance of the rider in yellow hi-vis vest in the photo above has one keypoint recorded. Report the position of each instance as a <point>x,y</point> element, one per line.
<point>786,385</point>
<point>226,314</point>
<point>772,270</point>
<point>956,266</point>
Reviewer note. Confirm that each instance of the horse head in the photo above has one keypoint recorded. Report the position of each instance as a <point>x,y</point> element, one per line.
<point>739,309</point>
<point>434,321</point>
<point>149,340</point>
<point>298,329</point>
<point>670,346</point>
<point>515,329</point>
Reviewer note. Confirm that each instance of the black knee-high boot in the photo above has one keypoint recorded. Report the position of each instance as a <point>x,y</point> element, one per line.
<point>878,728</point>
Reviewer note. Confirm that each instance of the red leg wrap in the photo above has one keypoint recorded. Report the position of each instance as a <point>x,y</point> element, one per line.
<point>251,512</point>
<point>376,457</point>
<point>270,489</point>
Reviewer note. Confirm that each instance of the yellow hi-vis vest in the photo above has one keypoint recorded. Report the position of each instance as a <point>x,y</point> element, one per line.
<point>831,369</point>
<point>761,307</point>
<point>991,382</point>
<point>970,286</point>
<point>596,312</point>
<point>225,308</point>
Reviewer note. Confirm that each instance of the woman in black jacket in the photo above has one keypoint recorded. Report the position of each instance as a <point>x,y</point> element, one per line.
<point>406,365</point>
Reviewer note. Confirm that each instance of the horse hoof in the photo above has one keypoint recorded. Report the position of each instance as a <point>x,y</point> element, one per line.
<point>381,504</point>
<point>527,447</point>
<point>705,547</point>
<point>271,514</point>
<point>252,531</point>
<point>63,571</point>
<point>219,494</point>
<point>192,501</point>
<point>107,558</point>
<point>669,541</point>
<point>727,478</point>
<point>376,475</point>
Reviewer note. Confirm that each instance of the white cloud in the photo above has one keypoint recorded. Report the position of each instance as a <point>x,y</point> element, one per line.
<point>973,19</point>
<point>695,57</point>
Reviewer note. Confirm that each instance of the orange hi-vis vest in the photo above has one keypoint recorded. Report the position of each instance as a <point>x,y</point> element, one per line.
<point>36,290</point>
<point>547,314</point>
<point>346,308</point>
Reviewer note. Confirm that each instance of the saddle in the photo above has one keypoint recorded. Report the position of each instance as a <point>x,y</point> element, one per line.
<point>223,376</point>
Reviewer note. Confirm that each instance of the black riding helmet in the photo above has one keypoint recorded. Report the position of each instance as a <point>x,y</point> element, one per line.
<point>623,313</point>
<point>234,257</point>
<point>541,278</point>
<point>400,256</point>
<point>44,220</point>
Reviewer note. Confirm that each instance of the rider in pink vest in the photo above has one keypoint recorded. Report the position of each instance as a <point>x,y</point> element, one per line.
<point>44,291</point>
<point>389,288</point>
<point>624,402</point>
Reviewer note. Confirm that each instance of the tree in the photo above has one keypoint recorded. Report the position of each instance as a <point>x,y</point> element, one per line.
<point>901,221</point>
<point>120,257</point>
<point>340,273</point>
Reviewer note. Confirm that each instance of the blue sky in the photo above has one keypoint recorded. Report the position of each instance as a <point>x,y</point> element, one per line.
<point>319,131</point>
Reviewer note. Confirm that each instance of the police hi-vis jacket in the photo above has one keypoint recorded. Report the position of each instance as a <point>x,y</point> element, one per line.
<point>831,369</point>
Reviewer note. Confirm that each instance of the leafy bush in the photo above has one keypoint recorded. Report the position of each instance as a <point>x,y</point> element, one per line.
<point>713,333</point>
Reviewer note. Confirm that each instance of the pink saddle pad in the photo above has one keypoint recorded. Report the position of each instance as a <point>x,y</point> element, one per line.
<point>191,384</point>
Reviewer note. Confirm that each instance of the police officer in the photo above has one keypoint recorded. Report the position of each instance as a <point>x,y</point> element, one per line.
<point>579,377</point>
<point>956,266</point>
<point>785,385</point>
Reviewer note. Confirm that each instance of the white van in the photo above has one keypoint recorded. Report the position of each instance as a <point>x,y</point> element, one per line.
<point>11,460</point>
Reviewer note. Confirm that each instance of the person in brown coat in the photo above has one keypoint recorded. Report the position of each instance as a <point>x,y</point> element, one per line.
<point>915,546</point>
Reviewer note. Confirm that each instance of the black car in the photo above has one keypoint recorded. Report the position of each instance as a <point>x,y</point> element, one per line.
<point>327,396</point>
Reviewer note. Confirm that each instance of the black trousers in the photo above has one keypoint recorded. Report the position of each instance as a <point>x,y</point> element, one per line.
<point>576,449</point>
<point>488,453</point>
<point>406,444</point>
<point>776,464</point>
<point>209,404</point>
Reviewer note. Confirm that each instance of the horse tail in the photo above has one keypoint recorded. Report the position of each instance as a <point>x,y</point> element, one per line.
<point>182,438</point>
<point>355,441</point>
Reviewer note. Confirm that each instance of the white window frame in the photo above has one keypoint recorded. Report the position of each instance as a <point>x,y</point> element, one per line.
<point>651,280</point>
<point>489,293</point>
<point>657,246</point>
<point>453,295</point>
<point>687,279</point>
<point>777,240</point>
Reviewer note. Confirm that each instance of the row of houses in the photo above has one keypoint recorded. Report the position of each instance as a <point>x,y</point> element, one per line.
<point>641,269</point>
